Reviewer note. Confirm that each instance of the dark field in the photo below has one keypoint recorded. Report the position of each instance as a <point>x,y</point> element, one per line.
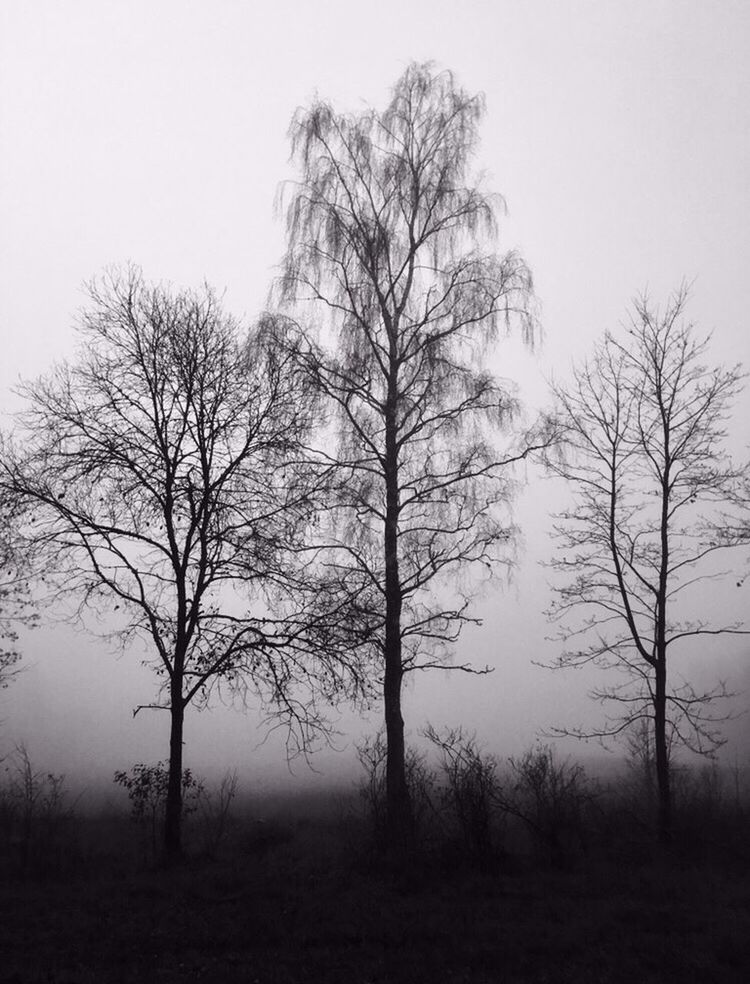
<point>309,900</point>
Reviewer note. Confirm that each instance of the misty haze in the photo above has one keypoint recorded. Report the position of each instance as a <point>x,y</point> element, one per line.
<point>374,492</point>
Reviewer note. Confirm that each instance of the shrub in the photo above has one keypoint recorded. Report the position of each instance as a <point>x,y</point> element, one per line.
<point>146,787</point>
<point>470,789</point>
<point>551,798</point>
<point>372,753</point>
<point>34,815</point>
<point>213,812</point>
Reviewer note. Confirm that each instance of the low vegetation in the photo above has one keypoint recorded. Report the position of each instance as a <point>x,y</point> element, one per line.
<point>524,870</point>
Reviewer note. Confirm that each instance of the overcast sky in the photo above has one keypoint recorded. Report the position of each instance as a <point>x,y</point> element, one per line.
<point>155,132</point>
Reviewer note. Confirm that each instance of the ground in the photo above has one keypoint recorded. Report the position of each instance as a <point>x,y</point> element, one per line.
<point>314,906</point>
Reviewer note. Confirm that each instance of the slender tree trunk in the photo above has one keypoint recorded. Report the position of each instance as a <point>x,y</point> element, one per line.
<point>398,802</point>
<point>664,810</point>
<point>173,817</point>
<point>664,815</point>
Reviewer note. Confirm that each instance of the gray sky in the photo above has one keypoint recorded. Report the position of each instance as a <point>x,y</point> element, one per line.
<point>618,132</point>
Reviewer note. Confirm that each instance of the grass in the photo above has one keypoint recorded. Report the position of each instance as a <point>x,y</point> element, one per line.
<point>307,902</point>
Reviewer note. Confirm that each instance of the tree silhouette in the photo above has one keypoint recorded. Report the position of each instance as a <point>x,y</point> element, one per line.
<point>16,602</point>
<point>643,426</point>
<point>167,477</point>
<point>388,235</point>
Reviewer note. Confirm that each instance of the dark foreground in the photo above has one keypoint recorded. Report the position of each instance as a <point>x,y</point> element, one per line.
<point>313,905</point>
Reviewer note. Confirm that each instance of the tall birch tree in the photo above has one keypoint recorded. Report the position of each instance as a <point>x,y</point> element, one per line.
<point>391,237</point>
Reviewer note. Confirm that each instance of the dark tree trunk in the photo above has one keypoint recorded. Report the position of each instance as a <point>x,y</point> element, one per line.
<point>664,795</point>
<point>173,815</point>
<point>398,802</point>
<point>664,814</point>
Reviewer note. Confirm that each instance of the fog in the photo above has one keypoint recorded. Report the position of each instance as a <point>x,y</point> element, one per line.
<point>619,135</point>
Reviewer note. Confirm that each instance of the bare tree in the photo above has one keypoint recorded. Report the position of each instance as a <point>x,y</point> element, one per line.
<point>388,235</point>
<point>167,479</point>
<point>644,425</point>
<point>16,601</point>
